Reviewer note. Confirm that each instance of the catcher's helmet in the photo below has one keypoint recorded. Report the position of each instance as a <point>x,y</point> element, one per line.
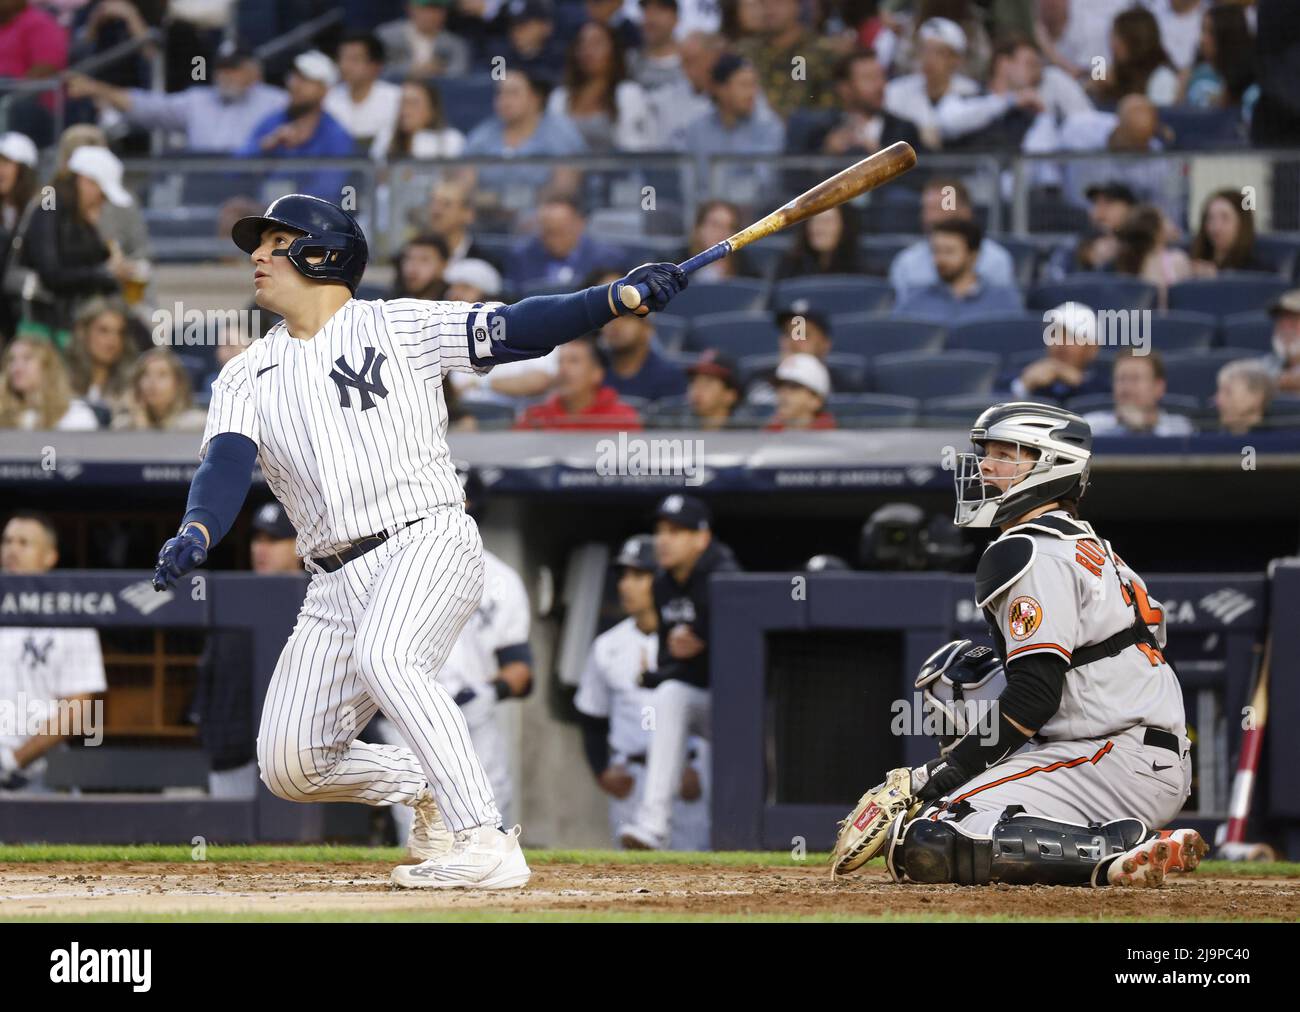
<point>330,233</point>
<point>1063,442</point>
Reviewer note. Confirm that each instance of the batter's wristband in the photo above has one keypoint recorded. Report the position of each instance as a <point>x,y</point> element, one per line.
<point>503,689</point>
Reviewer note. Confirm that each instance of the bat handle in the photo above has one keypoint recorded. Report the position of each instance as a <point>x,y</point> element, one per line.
<point>633,295</point>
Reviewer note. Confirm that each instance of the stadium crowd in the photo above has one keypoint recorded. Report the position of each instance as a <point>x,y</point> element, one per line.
<point>902,309</point>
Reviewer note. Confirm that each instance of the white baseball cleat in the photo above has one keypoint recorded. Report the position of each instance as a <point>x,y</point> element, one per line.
<point>1142,867</point>
<point>1186,848</point>
<point>634,837</point>
<point>429,836</point>
<point>481,858</point>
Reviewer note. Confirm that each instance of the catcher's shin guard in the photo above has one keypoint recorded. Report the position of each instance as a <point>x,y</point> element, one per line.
<point>1022,850</point>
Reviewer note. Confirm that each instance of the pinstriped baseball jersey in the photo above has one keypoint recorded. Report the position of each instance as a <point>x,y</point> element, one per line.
<point>1074,592</point>
<point>351,425</point>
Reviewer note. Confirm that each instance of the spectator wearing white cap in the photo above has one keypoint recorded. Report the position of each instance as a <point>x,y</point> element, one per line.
<point>802,386</point>
<point>1283,363</point>
<point>472,280</point>
<point>1069,367</point>
<point>899,44</point>
<point>304,129</point>
<point>943,104</point>
<point>364,105</point>
<point>66,248</point>
<point>215,117</point>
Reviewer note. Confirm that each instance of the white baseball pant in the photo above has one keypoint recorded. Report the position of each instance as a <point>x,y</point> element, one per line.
<point>373,635</point>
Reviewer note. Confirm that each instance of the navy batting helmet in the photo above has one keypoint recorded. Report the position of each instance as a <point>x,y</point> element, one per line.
<point>329,233</point>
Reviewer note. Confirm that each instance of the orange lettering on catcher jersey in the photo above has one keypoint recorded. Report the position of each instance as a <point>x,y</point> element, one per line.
<point>1089,556</point>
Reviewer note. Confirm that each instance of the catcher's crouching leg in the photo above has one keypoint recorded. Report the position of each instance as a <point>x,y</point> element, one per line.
<point>1021,850</point>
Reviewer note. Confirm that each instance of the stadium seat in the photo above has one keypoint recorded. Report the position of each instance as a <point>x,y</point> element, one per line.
<point>736,334</point>
<point>368,293</point>
<point>893,209</point>
<point>1281,252</point>
<point>1196,374</point>
<point>490,414</point>
<point>719,297</point>
<point>1283,412</point>
<point>764,256</point>
<point>878,251</point>
<point>1175,332</point>
<point>670,331</point>
<point>1247,330</point>
<point>1232,292</point>
<point>960,410</point>
<point>834,293</point>
<point>1203,129</point>
<point>880,334</point>
<point>1108,292</point>
<point>1025,255</point>
<point>668,413</point>
<point>1090,402</point>
<point>1002,335</point>
<point>873,411</point>
<point>467,101</point>
<point>926,376</point>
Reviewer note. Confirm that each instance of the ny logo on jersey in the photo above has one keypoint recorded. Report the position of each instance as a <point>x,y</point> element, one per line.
<point>40,655</point>
<point>367,380</point>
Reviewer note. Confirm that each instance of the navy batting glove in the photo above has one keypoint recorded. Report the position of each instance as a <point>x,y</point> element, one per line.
<point>463,696</point>
<point>663,280</point>
<point>186,551</point>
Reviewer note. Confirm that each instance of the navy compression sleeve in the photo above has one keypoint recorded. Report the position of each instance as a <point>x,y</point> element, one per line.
<point>221,483</point>
<point>534,326</point>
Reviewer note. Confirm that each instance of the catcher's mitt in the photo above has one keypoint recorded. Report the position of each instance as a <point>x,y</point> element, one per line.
<point>863,834</point>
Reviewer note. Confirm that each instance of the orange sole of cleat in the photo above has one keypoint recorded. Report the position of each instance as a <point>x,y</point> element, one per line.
<point>1145,868</point>
<point>1188,848</point>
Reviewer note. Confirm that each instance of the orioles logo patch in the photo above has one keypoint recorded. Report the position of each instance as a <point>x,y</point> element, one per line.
<point>1024,617</point>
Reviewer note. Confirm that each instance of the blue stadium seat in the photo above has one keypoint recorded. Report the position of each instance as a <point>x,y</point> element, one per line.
<point>893,209</point>
<point>466,101</point>
<point>834,293</point>
<point>719,297</point>
<point>1231,292</point>
<point>668,413</point>
<point>1283,412</point>
<point>736,334</point>
<point>880,334</point>
<point>922,375</point>
<point>1247,330</point>
<point>490,414</point>
<point>1024,254</point>
<point>1002,335</point>
<point>1196,374</point>
<point>1090,402</point>
<point>368,293</point>
<point>956,411</point>
<point>1281,252</point>
<point>670,331</point>
<point>1176,331</point>
<point>1203,129</point>
<point>1106,292</point>
<point>878,251</point>
<point>873,411</point>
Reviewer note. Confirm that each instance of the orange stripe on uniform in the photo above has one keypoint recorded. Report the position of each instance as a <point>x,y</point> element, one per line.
<point>1039,646</point>
<point>1063,765</point>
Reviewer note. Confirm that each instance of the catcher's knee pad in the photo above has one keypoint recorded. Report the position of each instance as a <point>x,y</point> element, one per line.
<point>926,850</point>
<point>1028,850</point>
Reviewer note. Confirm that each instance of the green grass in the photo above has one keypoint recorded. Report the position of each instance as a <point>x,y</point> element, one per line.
<point>37,853</point>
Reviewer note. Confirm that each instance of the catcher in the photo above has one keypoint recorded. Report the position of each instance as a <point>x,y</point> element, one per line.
<point>1084,751</point>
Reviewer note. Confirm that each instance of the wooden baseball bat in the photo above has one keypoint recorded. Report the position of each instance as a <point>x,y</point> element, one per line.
<point>874,170</point>
<point>1234,847</point>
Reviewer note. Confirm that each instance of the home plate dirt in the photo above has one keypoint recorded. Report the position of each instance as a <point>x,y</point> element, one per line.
<point>72,890</point>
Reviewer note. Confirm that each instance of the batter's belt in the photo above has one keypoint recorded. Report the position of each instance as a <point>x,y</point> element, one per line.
<point>335,561</point>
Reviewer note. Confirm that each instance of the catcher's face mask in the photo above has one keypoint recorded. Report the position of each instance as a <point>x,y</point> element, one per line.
<point>986,476</point>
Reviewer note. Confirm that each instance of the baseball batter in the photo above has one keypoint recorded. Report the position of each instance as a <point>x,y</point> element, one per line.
<point>616,735</point>
<point>342,406</point>
<point>1089,752</point>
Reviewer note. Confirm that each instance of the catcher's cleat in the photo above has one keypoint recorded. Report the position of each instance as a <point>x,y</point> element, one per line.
<point>866,830</point>
<point>1142,867</point>
<point>1186,849</point>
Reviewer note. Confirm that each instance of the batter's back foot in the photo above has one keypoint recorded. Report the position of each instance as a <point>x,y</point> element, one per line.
<point>481,858</point>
